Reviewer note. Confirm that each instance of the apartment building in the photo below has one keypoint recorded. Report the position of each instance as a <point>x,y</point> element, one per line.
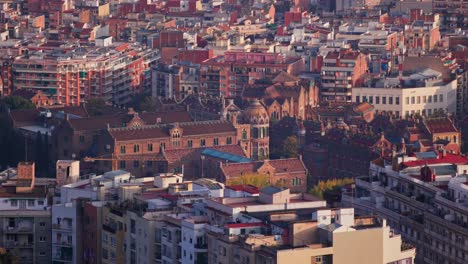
<point>143,244</point>
<point>321,236</point>
<point>341,71</point>
<point>175,81</point>
<point>25,217</point>
<point>67,232</point>
<point>69,75</point>
<point>423,86</point>
<point>228,74</point>
<point>113,235</point>
<point>453,12</point>
<point>421,36</point>
<point>424,198</point>
<point>422,98</point>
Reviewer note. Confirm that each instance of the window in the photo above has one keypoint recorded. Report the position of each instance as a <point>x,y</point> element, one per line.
<point>429,99</point>
<point>384,100</point>
<point>413,100</point>
<point>229,140</point>
<point>435,98</point>
<point>150,147</point>
<point>136,164</point>
<point>419,99</point>
<point>244,134</point>
<point>31,203</point>
<point>407,100</point>
<point>429,111</point>
<point>42,239</point>
<point>441,98</point>
<point>14,203</point>
<point>105,254</point>
<point>122,164</point>
<point>40,202</point>
<point>149,163</point>
<point>377,100</point>
<point>42,253</point>
<point>82,139</point>
<point>397,100</point>
<point>136,148</point>
<point>42,224</point>
<point>390,100</point>
<point>357,99</point>
<point>371,99</point>
<point>424,99</point>
<point>122,149</point>
<point>215,141</point>
<point>202,142</point>
<point>190,143</point>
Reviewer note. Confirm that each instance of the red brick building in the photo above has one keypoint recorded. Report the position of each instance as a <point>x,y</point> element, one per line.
<point>289,173</point>
<point>227,75</point>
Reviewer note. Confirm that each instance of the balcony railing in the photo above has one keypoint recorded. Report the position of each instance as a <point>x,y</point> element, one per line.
<point>17,244</point>
<point>62,227</point>
<point>19,229</point>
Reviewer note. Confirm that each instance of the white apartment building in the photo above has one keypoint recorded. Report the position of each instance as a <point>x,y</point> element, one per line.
<point>66,233</point>
<point>425,202</point>
<point>426,98</point>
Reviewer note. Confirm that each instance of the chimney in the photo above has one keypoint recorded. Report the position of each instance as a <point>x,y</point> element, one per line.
<point>26,177</point>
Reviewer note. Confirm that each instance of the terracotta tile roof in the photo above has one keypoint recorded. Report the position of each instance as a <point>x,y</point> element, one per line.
<point>283,77</point>
<point>166,117</point>
<point>439,125</point>
<point>10,191</point>
<point>363,108</point>
<point>25,116</point>
<point>150,118</point>
<point>281,166</point>
<point>73,110</point>
<point>162,131</point>
<point>136,133</point>
<point>411,64</point>
<point>207,127</point>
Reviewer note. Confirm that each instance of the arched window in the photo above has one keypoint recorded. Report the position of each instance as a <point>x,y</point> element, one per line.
<point>454,139</point>
<point>136,148</point>
<point>244,134</point>
<point>261,154</point>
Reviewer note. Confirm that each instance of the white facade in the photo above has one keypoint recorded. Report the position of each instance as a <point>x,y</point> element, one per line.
<point>193,243</point>
<point>407,101</point>
<point>12,203</point>
<point>65,233</point>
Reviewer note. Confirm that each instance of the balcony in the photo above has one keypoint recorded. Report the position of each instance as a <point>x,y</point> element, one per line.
<point>18,229</point>
<point>63,243</point>
<point>201,247</point>
<point>62,227</point>
<point>19,244</point>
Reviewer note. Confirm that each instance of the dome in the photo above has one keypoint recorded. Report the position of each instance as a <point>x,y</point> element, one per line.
<point>255,113</point>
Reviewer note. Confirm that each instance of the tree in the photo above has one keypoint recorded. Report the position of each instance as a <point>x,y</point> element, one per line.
<point>17,103</point>
<point>96,106</point>
<point>256,179</point>
<point>147,104</point>
<point>323,187</point>
<point>290,147</point>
